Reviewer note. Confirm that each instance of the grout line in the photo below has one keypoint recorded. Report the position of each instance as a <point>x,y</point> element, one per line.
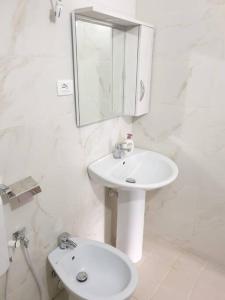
<point>164,277</point>
<point>202,269</point>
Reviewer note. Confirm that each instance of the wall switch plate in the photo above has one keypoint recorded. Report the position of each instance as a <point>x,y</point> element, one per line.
<point>64,87</point>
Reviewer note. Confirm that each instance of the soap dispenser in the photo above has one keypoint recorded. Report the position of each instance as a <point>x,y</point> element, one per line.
<point>129,141</point>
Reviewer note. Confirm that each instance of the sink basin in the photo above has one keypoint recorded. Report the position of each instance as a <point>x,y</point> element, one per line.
<point>146,169</point>
<point>110,273</point>
<point>132,176</point>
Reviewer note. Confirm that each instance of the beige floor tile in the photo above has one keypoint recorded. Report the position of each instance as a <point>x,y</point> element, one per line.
<point>153,269</point>
<point>166,294</point>
<point>210,286</point>
<point>168,273</point>
<point>182,278</point>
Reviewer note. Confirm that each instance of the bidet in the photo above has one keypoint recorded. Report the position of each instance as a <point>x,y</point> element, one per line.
<point>94,271</point>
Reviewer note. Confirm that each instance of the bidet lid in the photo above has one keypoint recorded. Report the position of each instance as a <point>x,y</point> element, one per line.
<point>110,273</point>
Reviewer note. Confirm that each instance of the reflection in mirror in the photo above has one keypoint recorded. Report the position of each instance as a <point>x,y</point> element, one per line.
<point>99,71</point>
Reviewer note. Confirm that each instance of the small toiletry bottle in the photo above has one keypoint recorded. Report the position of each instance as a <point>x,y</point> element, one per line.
<point>129,141</point>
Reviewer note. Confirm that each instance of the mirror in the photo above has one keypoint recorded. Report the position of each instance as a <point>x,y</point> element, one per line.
<point>99,70</point>
<point>112,65</point>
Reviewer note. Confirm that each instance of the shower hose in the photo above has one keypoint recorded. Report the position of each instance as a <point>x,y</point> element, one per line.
<point>31,268</point>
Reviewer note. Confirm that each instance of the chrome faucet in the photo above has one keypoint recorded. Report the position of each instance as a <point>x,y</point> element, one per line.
<point>120,150</point>
<point>65,241</point>
<point>20,236</point>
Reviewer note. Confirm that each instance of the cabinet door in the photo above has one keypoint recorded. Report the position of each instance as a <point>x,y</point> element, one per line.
<point>146,36</point>
<point>131,64</point>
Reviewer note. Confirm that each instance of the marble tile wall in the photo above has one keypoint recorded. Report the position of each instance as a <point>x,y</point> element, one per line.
<point>187,122</point>
<point>39,137</point>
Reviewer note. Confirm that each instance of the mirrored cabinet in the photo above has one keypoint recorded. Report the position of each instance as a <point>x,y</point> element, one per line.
<point>112,65</point>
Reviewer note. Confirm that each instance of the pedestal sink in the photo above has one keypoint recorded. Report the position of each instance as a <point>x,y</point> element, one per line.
<point>132,176</point>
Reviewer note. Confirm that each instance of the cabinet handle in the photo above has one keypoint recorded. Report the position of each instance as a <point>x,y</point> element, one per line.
<point>142,86</point>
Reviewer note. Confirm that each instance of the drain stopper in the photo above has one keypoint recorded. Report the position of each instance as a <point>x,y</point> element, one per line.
<point>130,180</point>
<point>82,276</point>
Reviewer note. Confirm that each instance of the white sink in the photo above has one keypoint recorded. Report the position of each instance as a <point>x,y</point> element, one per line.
<point>110,273</point>
<point>149,169</point>
<point>132,176</point>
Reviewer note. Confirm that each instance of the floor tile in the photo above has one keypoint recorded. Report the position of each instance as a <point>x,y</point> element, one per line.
<point>153,269</point>
<point>168,273</point>
<point>210,286</point>
<point>182,277</point>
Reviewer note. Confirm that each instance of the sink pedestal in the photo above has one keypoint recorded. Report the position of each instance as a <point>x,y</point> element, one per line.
<point>130,223</point>
<point>132,176</point>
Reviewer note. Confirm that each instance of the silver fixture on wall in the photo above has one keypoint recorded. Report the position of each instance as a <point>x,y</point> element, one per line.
<point>20,237</point>
<point>20,188</point>
<point>56,10</point>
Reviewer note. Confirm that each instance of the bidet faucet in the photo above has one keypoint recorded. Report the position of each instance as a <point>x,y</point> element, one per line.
<point>65,241</point>
<point>120,150</point>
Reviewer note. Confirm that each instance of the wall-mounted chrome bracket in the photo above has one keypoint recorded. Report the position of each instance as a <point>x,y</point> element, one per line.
<point>20,236</point>
<point>19,188</point>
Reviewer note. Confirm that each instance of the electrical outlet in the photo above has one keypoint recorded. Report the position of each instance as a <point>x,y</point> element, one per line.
<point>64,87</point>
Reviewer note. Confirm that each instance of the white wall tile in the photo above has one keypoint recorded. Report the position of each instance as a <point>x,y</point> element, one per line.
<point>187,122</point>
<point>39,137</point>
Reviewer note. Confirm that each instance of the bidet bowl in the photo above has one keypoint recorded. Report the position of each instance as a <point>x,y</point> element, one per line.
<point>110,273</point>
